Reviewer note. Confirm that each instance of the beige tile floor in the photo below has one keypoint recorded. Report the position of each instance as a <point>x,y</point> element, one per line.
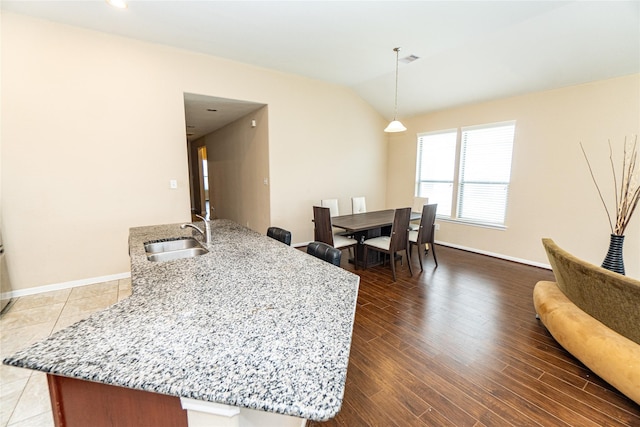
<point>24,397</point>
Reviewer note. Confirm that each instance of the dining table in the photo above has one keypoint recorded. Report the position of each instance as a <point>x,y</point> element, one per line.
<point>367,225</point>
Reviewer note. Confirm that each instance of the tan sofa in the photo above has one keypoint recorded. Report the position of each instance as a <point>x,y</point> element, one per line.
<point>595,315</point>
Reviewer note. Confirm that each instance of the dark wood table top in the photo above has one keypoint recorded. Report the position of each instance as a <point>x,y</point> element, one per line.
<point>367,220</point>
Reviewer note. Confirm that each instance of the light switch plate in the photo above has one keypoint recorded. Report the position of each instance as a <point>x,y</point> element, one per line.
<point>173,184</point>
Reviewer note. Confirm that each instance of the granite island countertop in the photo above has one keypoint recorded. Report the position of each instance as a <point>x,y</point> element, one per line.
<point>252,323</point>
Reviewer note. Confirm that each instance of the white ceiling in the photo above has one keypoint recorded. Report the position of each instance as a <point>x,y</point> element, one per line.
<point>469,51</point>
<point>200,120</point>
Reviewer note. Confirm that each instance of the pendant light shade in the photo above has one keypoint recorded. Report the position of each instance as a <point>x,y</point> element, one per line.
<point>119,4</point>
<point>395,125</point>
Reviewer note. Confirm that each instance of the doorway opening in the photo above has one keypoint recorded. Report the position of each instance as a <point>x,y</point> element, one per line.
<point>203,181</point>
<point>228,155</point>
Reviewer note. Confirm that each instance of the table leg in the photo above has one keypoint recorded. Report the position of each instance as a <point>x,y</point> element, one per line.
<point>375,257</point>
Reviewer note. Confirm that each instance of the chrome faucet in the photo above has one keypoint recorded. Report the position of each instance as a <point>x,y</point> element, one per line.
<point>207,229</point>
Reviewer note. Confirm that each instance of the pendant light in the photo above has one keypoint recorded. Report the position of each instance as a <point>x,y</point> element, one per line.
<point>119,4</point>
<point>395,125</point>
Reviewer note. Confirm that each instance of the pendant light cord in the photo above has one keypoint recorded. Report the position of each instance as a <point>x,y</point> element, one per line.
<point>395,112</point>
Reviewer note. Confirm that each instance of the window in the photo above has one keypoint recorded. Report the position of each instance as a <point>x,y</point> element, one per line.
<point>483,155</point>
<point>436,168</point>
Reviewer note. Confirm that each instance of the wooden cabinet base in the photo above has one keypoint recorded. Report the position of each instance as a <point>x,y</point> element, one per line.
<point>77,403</point>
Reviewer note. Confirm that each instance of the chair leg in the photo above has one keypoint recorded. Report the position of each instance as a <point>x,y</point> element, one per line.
<point>406,252</point>
<point>433,251</point>
<point>419,257</point>
<point>365,257</point>
<point>392,258</point>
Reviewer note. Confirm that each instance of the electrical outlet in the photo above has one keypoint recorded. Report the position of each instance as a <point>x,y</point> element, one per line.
<point>437,227</point>
<point>173,184</point>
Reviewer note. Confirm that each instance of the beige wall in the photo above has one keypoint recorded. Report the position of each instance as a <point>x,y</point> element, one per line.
<point>551,194</point>
<point>93,129</point>
<point>238,161</point>
<point>336,149</point>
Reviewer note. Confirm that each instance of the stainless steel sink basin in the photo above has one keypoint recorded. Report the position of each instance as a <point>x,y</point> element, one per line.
<point>170,249</point>
<point>177,254</point>
<point>171,245</point>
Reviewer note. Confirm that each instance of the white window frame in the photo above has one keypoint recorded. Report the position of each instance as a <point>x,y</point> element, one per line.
<point>456,190</point>
<point>452,181</point>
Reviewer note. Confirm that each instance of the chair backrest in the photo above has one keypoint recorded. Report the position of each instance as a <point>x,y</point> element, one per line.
<point>332,204</point>
<point>279,234</point>
<point>427,224</point>
<point>322,225</point>
<point>418,203</point>
<point>400,230</point>
<point>325,252</point>
<point>358,205</point>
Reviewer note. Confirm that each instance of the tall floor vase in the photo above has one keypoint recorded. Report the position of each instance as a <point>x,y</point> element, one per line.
<point>614,261</point>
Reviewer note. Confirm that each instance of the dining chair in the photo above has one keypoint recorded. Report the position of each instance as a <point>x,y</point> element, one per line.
<point>418,203</point>
<point>425,234</point>
<point>279,234</point>
<point>332,204</point>
<point>323,232</point>
<point>397,241</point>
<point>358,205</point>
<point>325,252</point>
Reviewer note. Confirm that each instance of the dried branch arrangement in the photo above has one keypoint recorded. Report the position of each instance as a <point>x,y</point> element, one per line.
<point>628,194</point>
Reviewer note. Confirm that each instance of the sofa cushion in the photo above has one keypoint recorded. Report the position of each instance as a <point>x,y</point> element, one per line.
<point>609,297</point>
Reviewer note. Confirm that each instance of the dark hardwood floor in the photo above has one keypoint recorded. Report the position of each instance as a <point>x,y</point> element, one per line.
<point>459,345</point>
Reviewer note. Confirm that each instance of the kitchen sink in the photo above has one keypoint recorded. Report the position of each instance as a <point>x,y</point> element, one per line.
<point>171,249</point>
<point>171,245</point>
<point>177,254</point>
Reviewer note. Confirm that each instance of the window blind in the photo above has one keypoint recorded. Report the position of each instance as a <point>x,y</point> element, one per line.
<point>485,173</point>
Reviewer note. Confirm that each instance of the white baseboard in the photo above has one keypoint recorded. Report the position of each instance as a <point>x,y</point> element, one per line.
<point>65,285</point>
<point>496,255</point>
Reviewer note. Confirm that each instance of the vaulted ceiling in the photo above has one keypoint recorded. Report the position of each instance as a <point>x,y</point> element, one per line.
<point>469,51</point>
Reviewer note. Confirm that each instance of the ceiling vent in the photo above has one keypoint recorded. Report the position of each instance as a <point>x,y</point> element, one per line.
<point>409,59</point>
